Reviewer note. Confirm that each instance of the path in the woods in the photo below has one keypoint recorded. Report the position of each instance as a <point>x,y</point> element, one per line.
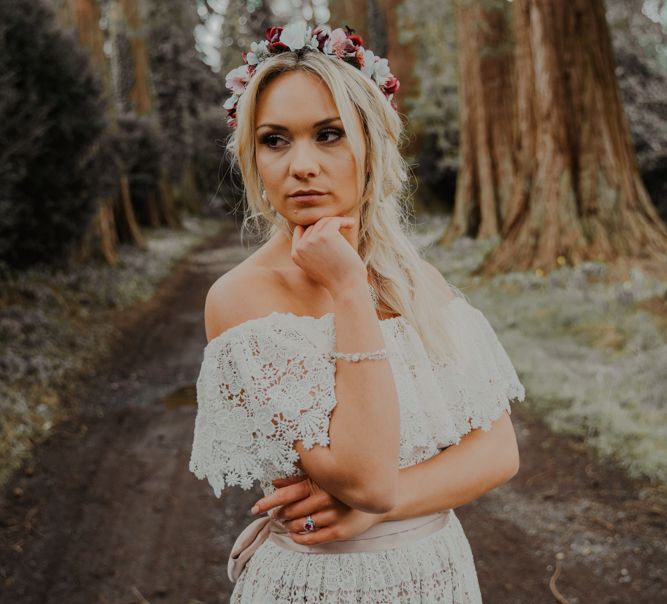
<point>107,511</point>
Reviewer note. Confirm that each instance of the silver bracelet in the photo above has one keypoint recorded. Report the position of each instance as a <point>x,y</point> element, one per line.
<point>355,357</point>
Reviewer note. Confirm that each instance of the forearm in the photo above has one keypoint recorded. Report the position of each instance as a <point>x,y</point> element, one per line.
<point>364,430</point>
<point>459,474</point>
<point>360,465</point>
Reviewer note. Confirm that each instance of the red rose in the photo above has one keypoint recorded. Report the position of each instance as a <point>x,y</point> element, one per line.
<point>356,39</point>
<point>359,56</point>
<point>391,86</point>
<point>271,32</point>
<point>273,37</point>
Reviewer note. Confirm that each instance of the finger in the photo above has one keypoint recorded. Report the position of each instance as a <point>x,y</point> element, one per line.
<point>316,537</point>
<point>340,222</point>
<point>283,496</point>
<point>317,226</point>
<point>296,235</point>
<point>283,482</point>
<point>308,505</point>
<point>322,518</point>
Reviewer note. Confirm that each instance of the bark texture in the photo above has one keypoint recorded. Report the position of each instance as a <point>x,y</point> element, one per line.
<point>577,193</point>
<point>487,117</point>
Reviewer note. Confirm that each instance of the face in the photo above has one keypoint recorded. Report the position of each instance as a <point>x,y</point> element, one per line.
<point>301,144</point>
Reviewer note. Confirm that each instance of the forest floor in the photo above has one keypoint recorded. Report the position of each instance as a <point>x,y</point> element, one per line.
<point>106,510</point>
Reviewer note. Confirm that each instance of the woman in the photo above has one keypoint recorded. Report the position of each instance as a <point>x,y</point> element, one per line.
<point>336,333</point>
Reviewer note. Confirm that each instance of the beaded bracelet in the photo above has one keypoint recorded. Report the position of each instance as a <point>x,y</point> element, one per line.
<point>355,357</point>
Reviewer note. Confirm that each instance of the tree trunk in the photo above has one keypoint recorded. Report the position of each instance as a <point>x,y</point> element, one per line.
<point>487,160</point>
<point>101,239</point>
<point>578,194</point>
<point>84,16</point>
<point>168,207</point>
<point>126,220</point>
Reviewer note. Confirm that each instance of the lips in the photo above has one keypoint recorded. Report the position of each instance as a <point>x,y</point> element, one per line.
<point>307,193</point>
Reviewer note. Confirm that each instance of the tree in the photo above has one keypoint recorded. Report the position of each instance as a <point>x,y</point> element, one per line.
<point>578,194</point>
<point>487,135</point>
<point>51,121</point>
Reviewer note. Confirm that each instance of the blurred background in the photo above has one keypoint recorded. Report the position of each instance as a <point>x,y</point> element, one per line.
<point>538,153</point>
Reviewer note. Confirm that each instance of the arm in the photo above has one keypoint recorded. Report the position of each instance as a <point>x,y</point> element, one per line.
<point>458,474</point>
<point>364,425</point>
<point>360,466</point>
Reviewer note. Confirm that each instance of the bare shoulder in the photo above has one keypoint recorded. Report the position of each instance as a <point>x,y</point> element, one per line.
<point>245,292</point>
<point>438,279</point>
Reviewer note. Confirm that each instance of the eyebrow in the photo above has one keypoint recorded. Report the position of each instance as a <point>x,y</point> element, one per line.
<point>315,125</point>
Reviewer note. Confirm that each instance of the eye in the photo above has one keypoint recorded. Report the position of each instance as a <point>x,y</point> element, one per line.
<point>336,131</point>
<point>268,139</point>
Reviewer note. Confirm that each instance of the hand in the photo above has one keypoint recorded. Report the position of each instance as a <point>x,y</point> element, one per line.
<point>299,497</point>
<point>326,256</point>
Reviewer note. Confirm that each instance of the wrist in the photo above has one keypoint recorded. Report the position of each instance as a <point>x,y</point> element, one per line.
<point>350,290</point>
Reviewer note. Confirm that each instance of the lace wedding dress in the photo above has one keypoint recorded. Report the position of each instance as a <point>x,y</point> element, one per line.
<point>268,382</point>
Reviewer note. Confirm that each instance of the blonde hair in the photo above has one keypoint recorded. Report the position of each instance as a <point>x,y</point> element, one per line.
<point>395,267</point>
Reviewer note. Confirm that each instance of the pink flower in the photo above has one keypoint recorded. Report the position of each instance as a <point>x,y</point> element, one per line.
<point>237,79</point>
<point>321,32</point>
<point>337,43</point>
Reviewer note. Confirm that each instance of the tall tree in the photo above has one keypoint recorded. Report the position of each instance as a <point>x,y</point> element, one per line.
<point>487,161</point>
<point>578,194</point>
<point>183,87</point>
<point>377,22</point>
<point>51,121</point>
<point>85,16</point>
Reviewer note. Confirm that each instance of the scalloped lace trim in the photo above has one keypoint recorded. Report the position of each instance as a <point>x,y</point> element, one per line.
<point>269,382</point>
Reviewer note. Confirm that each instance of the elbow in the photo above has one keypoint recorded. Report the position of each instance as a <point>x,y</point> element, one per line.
<point>513,464</point>
<point>380,499</point>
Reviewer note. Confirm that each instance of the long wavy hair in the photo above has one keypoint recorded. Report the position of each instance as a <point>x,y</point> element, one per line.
<point>395,267</point>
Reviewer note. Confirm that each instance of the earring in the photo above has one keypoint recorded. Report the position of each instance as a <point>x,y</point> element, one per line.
<point>264,194</point>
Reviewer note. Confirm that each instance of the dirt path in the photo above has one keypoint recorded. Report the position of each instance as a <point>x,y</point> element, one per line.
<point>108,512</point>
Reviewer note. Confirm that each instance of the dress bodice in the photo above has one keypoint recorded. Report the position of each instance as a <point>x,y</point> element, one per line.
<point>268,382</point>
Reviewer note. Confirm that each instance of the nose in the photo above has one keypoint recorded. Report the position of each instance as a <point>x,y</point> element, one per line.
<point>304,162</point>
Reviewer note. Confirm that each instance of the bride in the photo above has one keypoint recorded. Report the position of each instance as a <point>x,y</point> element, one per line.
<point>343,372</point>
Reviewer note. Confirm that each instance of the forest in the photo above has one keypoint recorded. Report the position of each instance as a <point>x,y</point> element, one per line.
<point>537,146</point>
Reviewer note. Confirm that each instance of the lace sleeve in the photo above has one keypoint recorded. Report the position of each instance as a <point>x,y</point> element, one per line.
<point>259,390</point>
<point>480,383</point>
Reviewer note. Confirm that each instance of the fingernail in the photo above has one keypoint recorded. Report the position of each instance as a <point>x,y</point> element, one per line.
<point>254,509</point>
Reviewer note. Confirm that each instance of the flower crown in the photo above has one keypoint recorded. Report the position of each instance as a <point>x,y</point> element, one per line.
<point>339,43</point>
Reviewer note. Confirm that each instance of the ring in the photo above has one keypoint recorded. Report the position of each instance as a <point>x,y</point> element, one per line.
<point>309,524</point>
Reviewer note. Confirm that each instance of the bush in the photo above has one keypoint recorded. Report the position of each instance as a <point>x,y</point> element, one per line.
<point>137,149</point>
<point>52,115</point>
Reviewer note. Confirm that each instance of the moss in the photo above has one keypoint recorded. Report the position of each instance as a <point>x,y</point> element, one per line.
<point>588,350</point>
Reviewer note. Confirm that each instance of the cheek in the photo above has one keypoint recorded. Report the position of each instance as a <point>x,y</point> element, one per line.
<point>267,168</point>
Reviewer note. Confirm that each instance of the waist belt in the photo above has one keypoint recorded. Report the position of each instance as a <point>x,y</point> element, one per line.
<point>382,536</point>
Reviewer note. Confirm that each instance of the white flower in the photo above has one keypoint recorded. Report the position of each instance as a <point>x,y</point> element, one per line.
<point>294,35</point>
<point>258,52</point>
<point>313,43</point>
<point>375,67</point>
<point>231,101</point>
<point>369,60</point>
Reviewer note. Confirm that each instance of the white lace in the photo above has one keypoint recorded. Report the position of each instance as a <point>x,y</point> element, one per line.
<point>438,568</point>
<point>269,382</point>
